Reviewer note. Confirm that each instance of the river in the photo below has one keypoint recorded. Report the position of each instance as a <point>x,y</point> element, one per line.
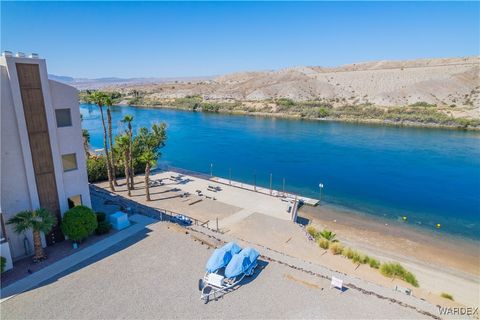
<point>431,176</point>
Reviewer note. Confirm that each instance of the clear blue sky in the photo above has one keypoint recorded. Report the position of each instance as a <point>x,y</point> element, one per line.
<point>165,39</point>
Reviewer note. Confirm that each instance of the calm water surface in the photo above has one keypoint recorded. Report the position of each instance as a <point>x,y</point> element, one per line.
<point>431,176</point>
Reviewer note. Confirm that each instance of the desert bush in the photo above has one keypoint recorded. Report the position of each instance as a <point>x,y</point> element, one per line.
<point>311,230</point>
<point>210,107</point>
<point>374,263</point>
<point>347,253</point>
<point>285,102</point>
<point>357,257</point>
<point>323,243</point>
<point>336,248</point>
<point>423,104</point>
<point>78,223</point>
<point>322,112</point>
<point>447,296</point>
<point>3,263</point>
<point>396,270</point>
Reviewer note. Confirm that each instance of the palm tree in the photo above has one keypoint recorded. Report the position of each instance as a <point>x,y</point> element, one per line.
<point>40,220</point>
<point>123,148</point>
<point>150,143</point>
<point>108,103</point>
<point>150,159</point>
<point>128,119</point>
<point>100,99</point>
<point>328,235</point>
<point>86,141</point>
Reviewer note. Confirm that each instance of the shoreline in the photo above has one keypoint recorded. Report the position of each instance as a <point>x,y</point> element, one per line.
<point>393,240</point>
<point>280,115</point>
<point>439,265</point>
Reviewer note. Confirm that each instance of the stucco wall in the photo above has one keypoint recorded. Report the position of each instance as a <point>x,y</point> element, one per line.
<point>14,190</point>
<point>18,188</point>
<point>70,141</point>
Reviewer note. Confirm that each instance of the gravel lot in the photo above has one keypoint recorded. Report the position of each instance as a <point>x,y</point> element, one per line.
<point>155,273</point>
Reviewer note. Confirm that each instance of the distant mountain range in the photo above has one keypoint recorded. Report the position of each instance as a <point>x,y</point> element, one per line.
<point>97,83</point>
<point>453,83</point>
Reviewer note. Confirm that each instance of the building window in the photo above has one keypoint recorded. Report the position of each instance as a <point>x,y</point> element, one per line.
<point>69,162</point>
<point>64,119</point>
<point>74,201</point>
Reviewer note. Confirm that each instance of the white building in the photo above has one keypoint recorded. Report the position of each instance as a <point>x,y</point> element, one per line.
<point>42,157</point>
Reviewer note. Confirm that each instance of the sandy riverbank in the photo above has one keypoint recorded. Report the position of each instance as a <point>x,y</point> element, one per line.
<point>440,265</point>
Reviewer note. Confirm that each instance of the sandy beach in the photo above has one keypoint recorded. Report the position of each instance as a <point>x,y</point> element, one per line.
<point>440,264</point>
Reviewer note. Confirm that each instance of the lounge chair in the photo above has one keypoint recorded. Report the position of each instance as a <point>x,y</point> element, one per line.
<point>240,265</point>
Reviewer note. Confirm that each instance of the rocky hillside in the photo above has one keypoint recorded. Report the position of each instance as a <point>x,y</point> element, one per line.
<point>453,82</point>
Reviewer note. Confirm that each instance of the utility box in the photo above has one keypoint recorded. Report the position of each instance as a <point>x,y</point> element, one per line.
<point>119,220</point>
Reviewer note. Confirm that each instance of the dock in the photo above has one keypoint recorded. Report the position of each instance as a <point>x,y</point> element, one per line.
<point>267,191</point>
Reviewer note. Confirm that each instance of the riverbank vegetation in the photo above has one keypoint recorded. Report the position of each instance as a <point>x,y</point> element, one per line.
<point>420,113</point>
<point>326,239</point>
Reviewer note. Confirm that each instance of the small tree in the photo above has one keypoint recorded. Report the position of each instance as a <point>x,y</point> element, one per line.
<point>128,120</point>
<point>78,223</point>
<point>328,235</point>
<point>150,143</point>
<point>123,148</point>
<point>40,220</point>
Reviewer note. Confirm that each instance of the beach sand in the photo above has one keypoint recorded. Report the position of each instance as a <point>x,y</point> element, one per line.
<point>440,263</point>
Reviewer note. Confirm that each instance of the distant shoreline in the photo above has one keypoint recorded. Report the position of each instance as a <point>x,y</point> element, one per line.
<point>280,115</point>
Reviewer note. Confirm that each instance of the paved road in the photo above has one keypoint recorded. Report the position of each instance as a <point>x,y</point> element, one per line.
<point>155,274</point>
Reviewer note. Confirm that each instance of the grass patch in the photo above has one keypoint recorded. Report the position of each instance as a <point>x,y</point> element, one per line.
<point>336,248</point>
<point>348,253</point>
<point>447,296</point>
<point>374,263</point>
<point>396,270</point>
<point>323,243</point>
<point>311,230</point>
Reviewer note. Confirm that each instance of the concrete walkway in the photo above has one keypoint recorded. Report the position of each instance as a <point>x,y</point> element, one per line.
<point>234,218</point>
<point>31,281</point>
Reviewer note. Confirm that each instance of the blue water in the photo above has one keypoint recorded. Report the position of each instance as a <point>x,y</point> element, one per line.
<point>431,176</point>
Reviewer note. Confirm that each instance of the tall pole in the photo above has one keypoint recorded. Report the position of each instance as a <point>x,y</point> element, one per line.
<point>320,185</point>
<point>270,184</point>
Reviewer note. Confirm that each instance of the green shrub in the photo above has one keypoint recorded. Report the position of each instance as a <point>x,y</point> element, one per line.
<point>396,270</point>
<point>447,296</point>
<point>101,216</point>
<point>374,263</point>
<point>328,235</point>
<point>78,223</point>
<point>103,228</point>
<point>336,248</point>
<point>323,113</point>
<point>3,263</point>
<point>97,169</point>
<point>323,243</point>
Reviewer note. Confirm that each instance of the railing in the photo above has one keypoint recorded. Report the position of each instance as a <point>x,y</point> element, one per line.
<point>240,185</point>
<point>131,206</point>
